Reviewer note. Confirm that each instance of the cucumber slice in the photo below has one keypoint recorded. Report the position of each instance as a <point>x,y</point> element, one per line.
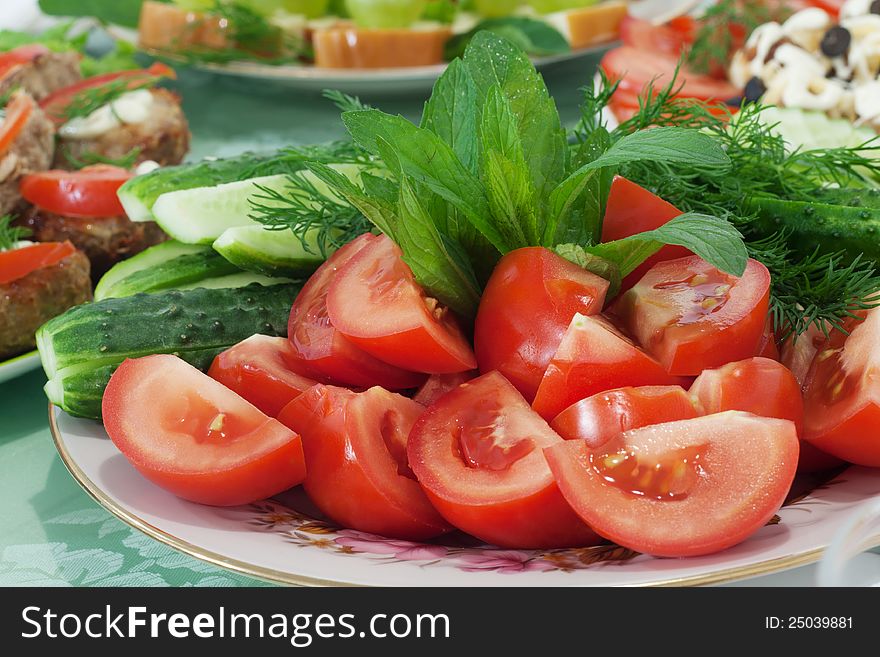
<point>811,130</point>
<point>270,252</point>
<point>175,273</point>
<point>155,255</point>
<point>200,215</point>
<point>240,279</point>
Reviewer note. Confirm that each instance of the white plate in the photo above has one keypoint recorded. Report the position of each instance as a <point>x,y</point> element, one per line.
<point>284,541</point>
<point>9,369</point>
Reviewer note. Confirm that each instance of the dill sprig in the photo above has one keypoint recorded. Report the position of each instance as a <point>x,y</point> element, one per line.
<point>343,101</point>
<point>89,158</point>
<point>314,215</point>
<point>89,100</point>
<point>714,41</point>
<point>10,234</point>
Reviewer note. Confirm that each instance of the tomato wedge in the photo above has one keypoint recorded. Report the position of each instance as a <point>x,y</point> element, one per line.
<point>600,418</point>
<point>18,111</point>
<point>87,193</point>
<point>196,438</point>
<point>842,393</point>
<point>21,55</point>
<point>526,308</point>
<point>690,316</point>
<point>683,488</point>
<point>376,303</point>
<point>645,36</point>
<point>637,68</point>
<point>56,103</point>
<point>355,448</point>
<point>798,351</point>
<point>438,385</point>
<point>757,385</point>
<point>594,356</point>
<point>322,352</point>
<point>767,345</point>
<point>633,209</point>
<point>262,369</point>
<point>18,263</point>
<point>477,454</point>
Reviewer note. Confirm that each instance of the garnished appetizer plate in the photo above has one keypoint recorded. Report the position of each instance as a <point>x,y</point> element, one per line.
<point>13,367</point>
<point>285,540</point>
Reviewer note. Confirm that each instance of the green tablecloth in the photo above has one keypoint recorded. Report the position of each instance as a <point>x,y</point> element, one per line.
<point>51,532</point>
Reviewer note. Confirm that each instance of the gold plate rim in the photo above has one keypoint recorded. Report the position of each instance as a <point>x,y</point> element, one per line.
<point>728,575</point>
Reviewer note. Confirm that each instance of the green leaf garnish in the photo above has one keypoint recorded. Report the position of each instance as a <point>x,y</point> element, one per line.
<point>9,234</point>
<point>534,37</point>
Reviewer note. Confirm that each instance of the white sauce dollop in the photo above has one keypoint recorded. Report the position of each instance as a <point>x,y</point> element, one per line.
<point>145,167</point>
<point>130,108</point>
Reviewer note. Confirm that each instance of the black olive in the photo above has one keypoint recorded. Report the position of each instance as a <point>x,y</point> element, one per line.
<point>875,7</point>
<point>836,41</point>
<point>755,88</point>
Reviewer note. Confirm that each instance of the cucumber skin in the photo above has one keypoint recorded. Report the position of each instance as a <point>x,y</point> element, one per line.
<point>146,259</point>
<point>851,197</point>
<point>193,324</point>
<point>171,274</point>
<point>831,228</point>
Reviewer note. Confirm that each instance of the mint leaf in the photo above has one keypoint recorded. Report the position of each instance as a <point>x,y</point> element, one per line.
<point>682,145</point>
<point>713,239</point>
<point>427,159</point>
<point>492,61</point>
<point>451,112</point>
<point>534,37</point>
<point>505,175</point>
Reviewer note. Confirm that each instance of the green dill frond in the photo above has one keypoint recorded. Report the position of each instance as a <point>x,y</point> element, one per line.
<point>343,101</point>
<point>89,158</point>
<point>10,234</point>
<point>313,215</point>
<point>89,100</point>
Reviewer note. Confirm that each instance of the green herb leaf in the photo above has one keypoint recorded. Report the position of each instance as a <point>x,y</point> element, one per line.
<point>607,269</point>
<point>451,112</point>
<point>493,61</point>
<point>10,234</point>
<point>715,240</point>
<point>119,12</point>
<point>89,158</point>
<point>532,36</point>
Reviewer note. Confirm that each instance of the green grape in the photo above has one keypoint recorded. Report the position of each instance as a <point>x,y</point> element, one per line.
<point>385,13</point>
<point>195,5</point>
<point>337,8</point>
<point>309,8</point>
<point>496,8</point>
<point>261,7</point>
<point>549,6</point>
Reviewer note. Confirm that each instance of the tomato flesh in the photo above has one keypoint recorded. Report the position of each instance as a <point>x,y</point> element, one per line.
<point>262,369</point>
<point>602,417</point>
<point>322,352</point>
<point>375,302</point>
<point>842,393</point>
<point>526,308</point>
<point>477,454</point>
<point>196,438</point>
<point>682,488</point>
<point>18,111</point>
<point>18,263</point>
<point>690,316</point>
<point>355,449</point>
<point>594,356</point>
<point>633,209</point>
<point>87,193</point>
<point>438,385</point>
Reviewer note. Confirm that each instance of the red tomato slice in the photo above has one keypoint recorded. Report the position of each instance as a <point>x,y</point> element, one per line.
<point>262,369</point>
<point>691,316</point>
<point>757,385</point>
<point>600,418</point>
<point>22,55</point>
<point>438,385</point>
<point>355,447</point>
<point>526,308</point>
<point>682,488</point>
<point>375,302</point>
<point>632,209</point>
<point>18,263</point>
<point>322,351</point>
<point>477,454</point>
<point>18,111</point>
<point>831,6</point>
<point>88,193</point>
<point>637,68</point>
<point>644,35</point>
<point>767,346</point>
<point>55,104</point>
<point>842,393</point>
<point>593,357</point>
<point>194,437</point>
<point>798,352</point>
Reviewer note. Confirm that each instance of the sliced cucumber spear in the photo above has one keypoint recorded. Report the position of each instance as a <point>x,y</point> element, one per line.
<point>269,252</point>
